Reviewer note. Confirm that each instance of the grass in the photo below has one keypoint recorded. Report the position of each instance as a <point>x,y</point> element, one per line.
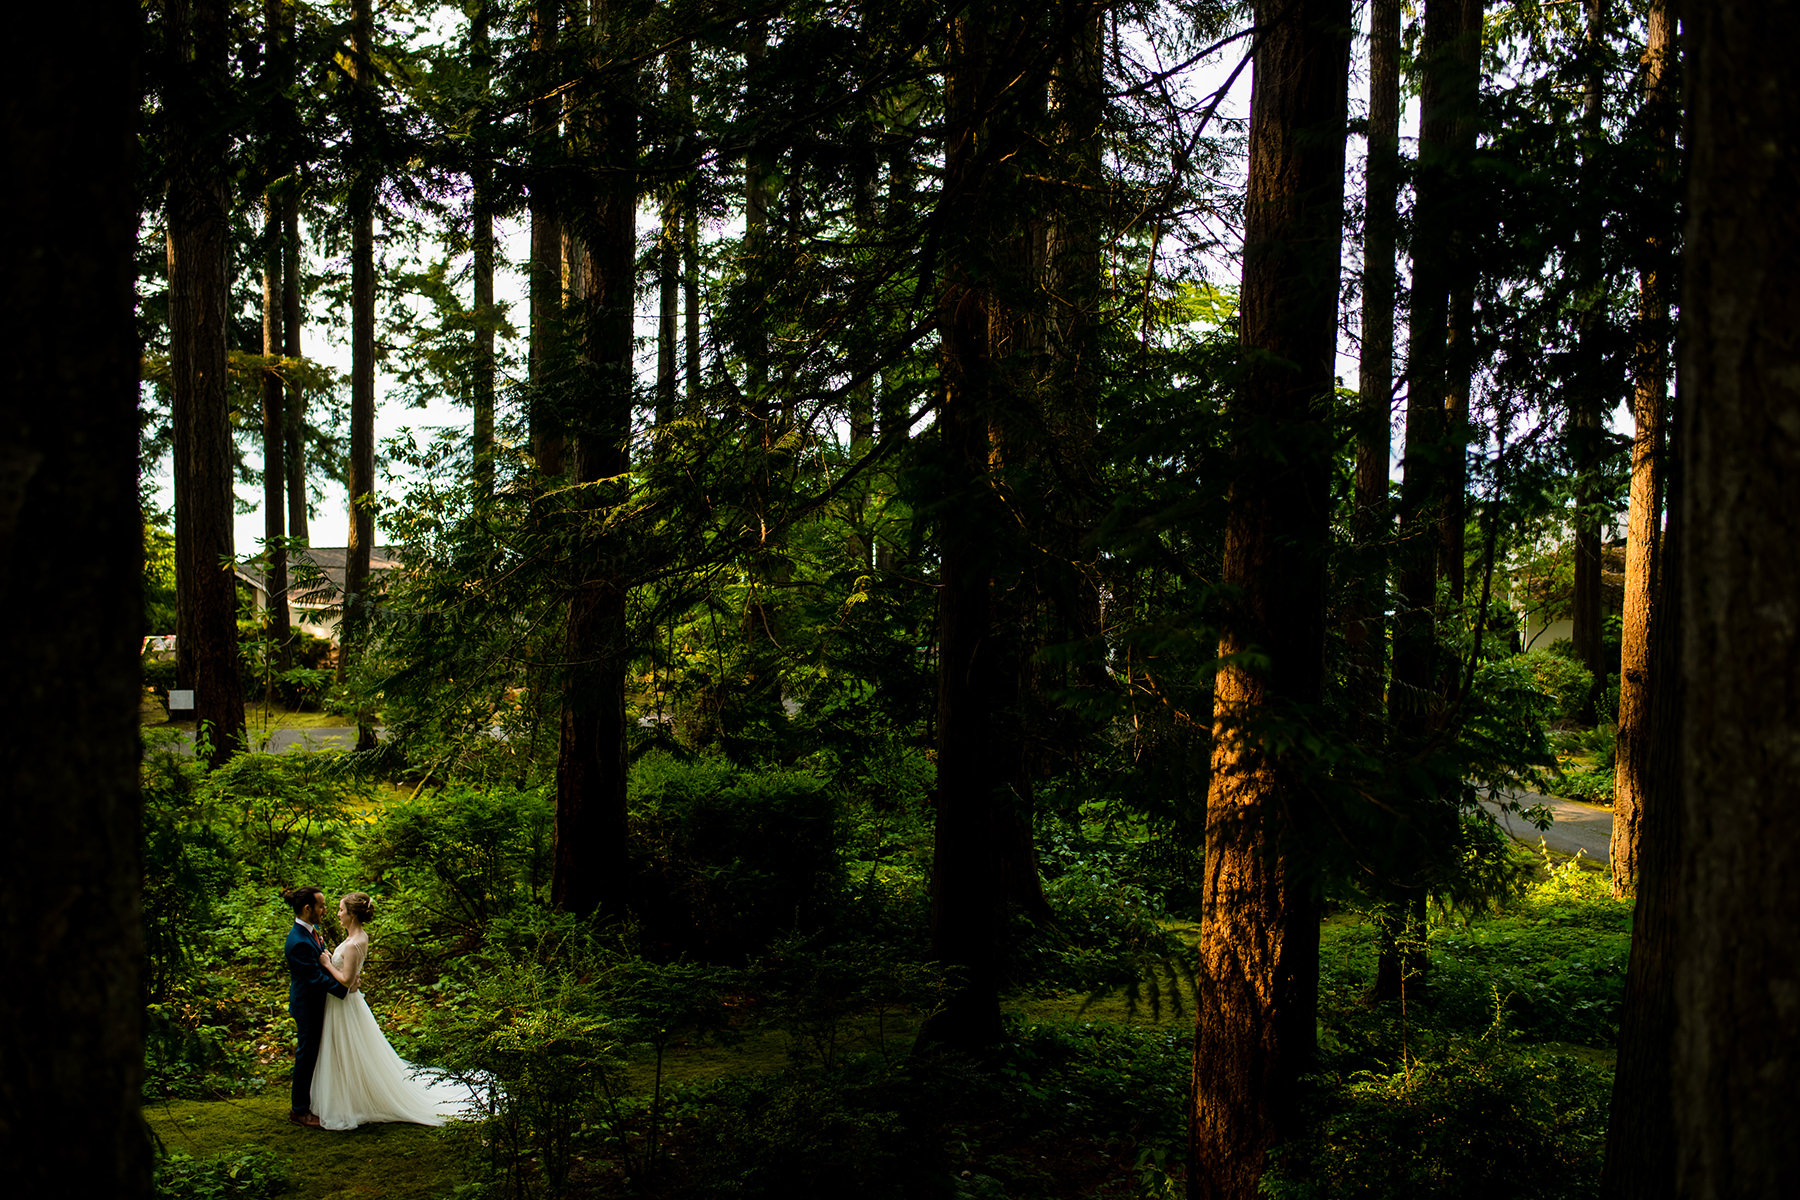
<point>376,1162</point>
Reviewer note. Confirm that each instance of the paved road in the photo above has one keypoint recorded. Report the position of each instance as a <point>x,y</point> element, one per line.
<point>1578,826</point>
<point>329,737</point>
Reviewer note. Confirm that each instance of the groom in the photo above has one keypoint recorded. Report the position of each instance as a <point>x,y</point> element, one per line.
<point>308,984</point>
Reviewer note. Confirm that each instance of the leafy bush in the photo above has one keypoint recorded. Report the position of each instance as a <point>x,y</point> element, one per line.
<point>528,1034</point>
<point>729,859</point>
<point>289,810</point>
<point>1477,1121</point>
<point>1109,931</point>
<point>251,1172</point>
<point>454,862</point>
<point>1566,682</point>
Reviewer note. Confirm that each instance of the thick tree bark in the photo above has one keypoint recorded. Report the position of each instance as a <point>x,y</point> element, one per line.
<point>199,228</point>
<point>360,475</point>
<point>590,860</point>
<point>71,555</point>
<point>1257,1000</point>
<point>1737,941</point>
<point>482,246</point>
<point>1640,1135</point>
<point>1367,625</point>
<point>547,437</point>
<point>1637,679</point>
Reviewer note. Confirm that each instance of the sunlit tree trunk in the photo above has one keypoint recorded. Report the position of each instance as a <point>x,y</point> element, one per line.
<point>1257,999</point>
<point>1736,943</point>
<point>1643,558</point>
<point>1640,1136</point>
<point>590,863</point>
<point>71,562</point>
<point>199,228</point>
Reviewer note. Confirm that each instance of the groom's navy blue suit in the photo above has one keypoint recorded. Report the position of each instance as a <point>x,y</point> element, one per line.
<point>308,984</point>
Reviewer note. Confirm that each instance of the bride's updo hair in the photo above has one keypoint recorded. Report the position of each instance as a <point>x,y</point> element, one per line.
<point>359,906</point>
<point>300,897</point>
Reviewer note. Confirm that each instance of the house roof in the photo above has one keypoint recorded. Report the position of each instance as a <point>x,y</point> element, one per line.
<point>328,563</point>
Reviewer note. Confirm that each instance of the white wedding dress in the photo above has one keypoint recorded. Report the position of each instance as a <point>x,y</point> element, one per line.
<point>360,1080</point>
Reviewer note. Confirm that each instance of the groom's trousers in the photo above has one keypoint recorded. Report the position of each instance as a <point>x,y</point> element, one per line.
<point>311,1026</point>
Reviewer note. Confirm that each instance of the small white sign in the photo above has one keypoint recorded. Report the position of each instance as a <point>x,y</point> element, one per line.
<point>180,699</point>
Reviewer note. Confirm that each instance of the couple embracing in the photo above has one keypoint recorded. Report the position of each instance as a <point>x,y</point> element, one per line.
<point>345,1073</point>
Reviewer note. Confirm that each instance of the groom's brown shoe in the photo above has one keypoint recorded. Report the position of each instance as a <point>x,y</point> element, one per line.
<point>310,1120</point>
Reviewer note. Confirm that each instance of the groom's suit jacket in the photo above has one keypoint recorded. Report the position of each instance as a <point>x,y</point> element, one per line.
<point>308,982</point>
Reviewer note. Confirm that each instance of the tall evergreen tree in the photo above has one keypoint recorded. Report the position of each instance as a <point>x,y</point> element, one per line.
<point>1643,551</point>
<point>591,752</point>
<point>1257,999</point>
<point>199,157</point>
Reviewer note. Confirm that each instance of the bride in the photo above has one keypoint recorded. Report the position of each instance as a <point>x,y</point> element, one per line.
<point>360,1079</point>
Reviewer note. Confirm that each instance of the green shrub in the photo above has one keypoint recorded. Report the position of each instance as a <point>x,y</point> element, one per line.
<point>1566,682</point>
<point>1477,1121</point>
<point>251,1172</point>
<point>727,859</point>
<point>289,810</point>
<point>454,863</point>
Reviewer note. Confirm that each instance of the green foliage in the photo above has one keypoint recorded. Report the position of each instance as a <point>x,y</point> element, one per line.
<point>289,810</point>
<point>455,861</point>
<point>527,1034</point>
<point>727,859</point>
<point>1110,931</point>
<point>247,1172</point>
<point>1566,682</point>
<point>1478,1121</point>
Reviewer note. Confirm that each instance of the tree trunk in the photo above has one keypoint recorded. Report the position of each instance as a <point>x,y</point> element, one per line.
<point>295,425</point>
<point>979,809</point>
<point>668,316</point>
<point>590,860</point>
<point>199,228</point>
<point>276,63</point>
<point>681,67</point>
<point>1259,927</point>
<point>274,431</point>
<point>71,560</point>
<point>360,473</point>
<point>1367,626</point>
<point>482,245</point>
<point>1640,1135</point>
<point>547,439</point>
<point>1459,332</point>
<point>1586,417</point>
<point>1737,943</point>
<point>1432,465</point>
<point>1643,559</point>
